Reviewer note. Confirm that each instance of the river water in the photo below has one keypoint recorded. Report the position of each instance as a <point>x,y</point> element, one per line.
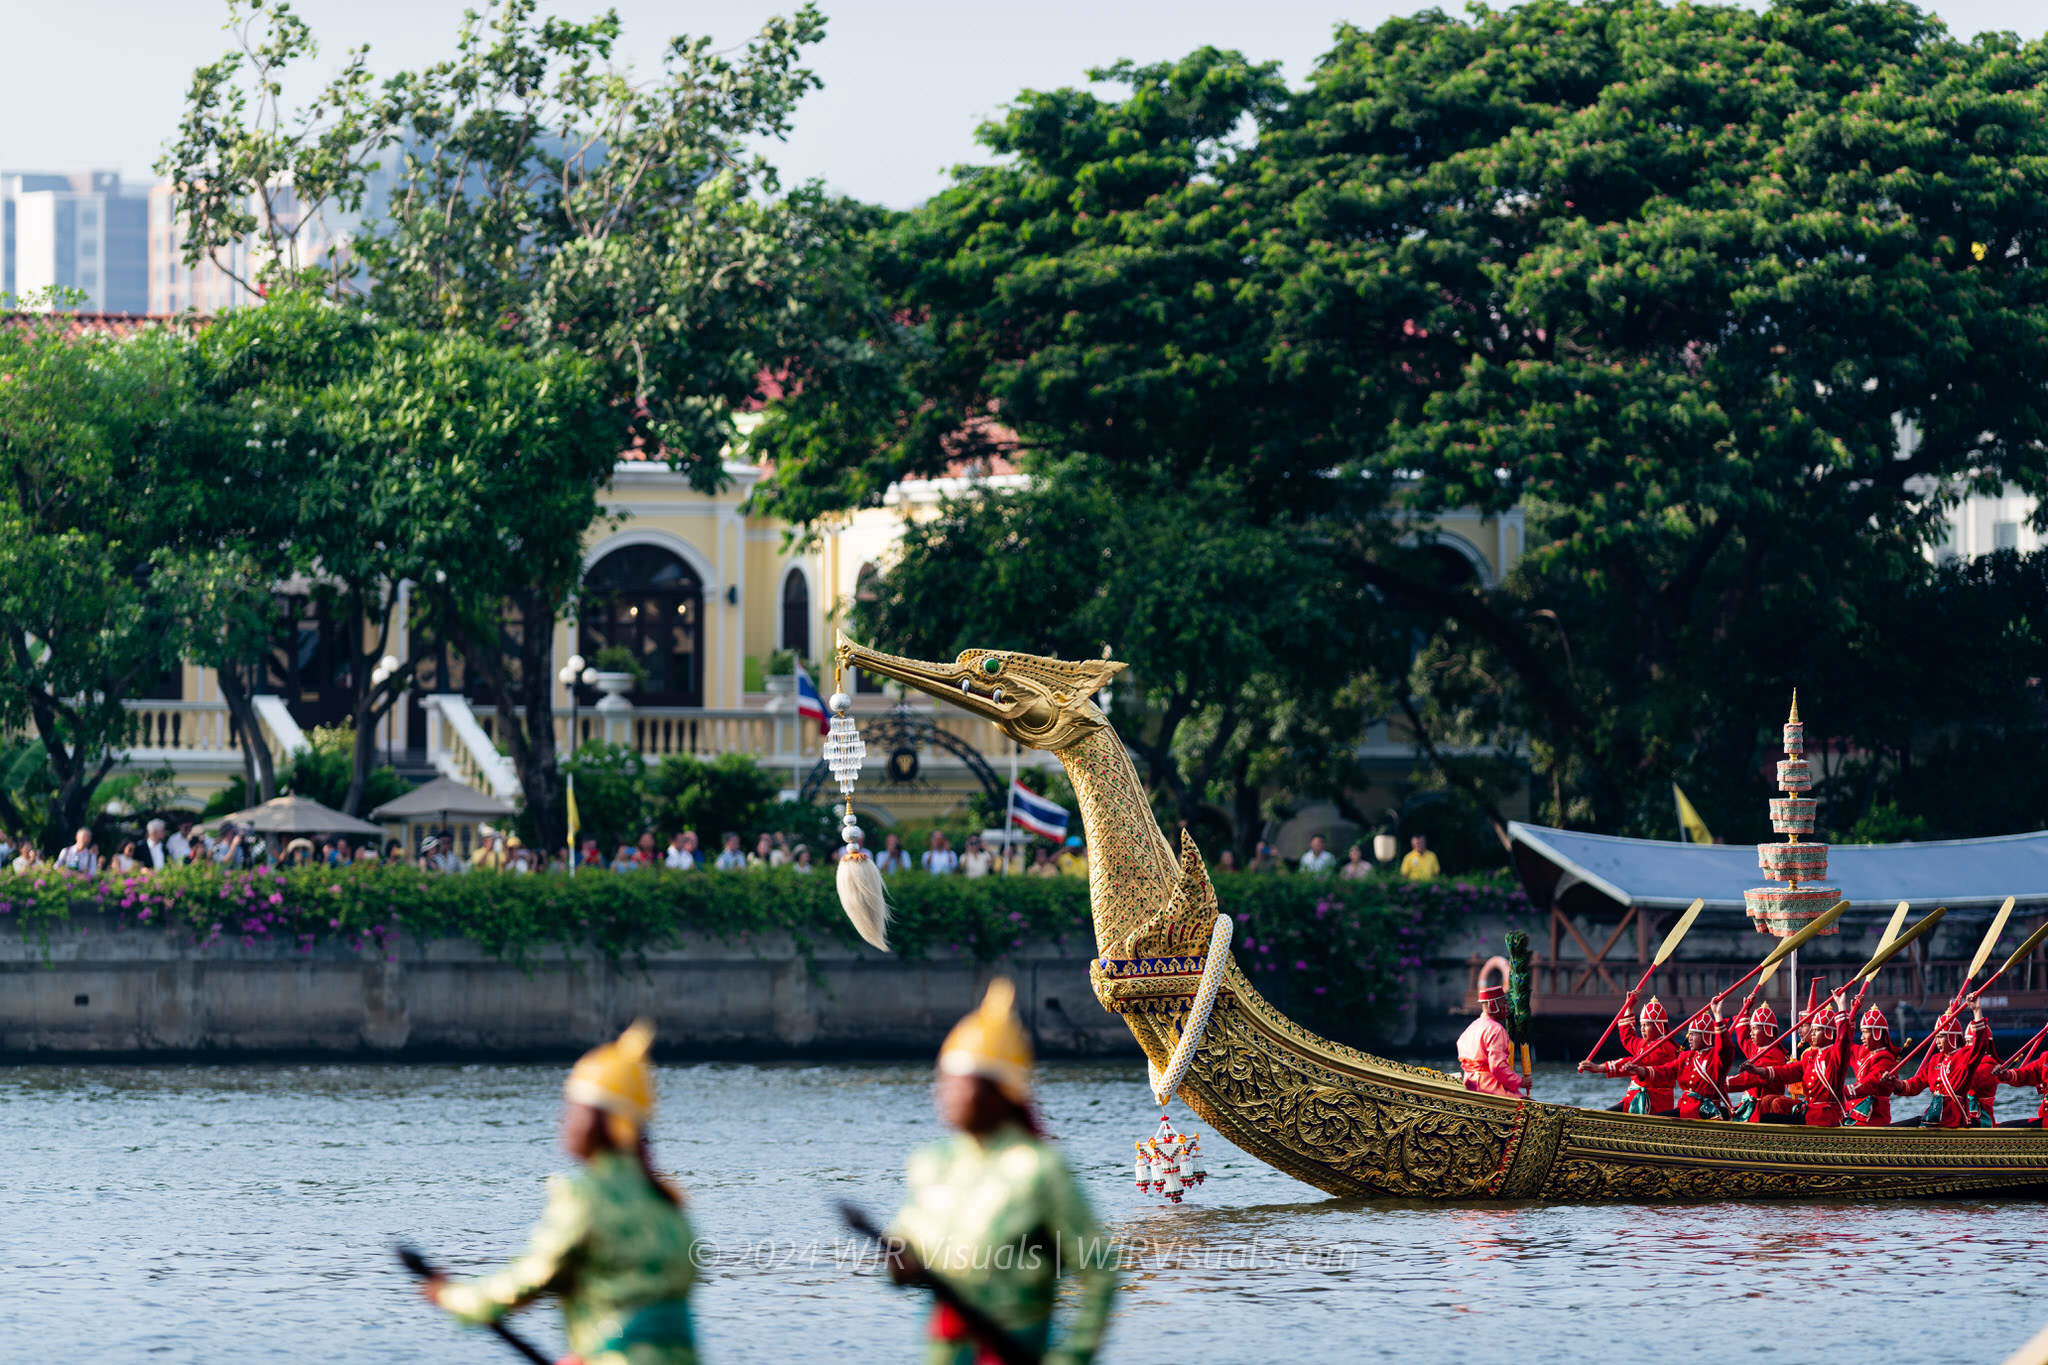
<point>229,1213</point>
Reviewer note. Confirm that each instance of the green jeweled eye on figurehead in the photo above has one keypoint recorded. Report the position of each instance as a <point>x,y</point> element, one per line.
<point>991,665</point>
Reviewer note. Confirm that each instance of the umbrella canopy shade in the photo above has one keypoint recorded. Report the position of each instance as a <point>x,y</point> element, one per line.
<point>1560,864</point>
<point>299,815</point>
<point>444,798</point>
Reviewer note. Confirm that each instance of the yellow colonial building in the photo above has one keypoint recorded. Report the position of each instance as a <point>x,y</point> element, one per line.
<point>700,593</point>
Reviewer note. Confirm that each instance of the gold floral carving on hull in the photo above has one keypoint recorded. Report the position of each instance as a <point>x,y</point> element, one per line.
<point>1351,1123</point>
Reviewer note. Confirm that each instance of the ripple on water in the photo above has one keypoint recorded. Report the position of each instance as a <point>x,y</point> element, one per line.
<point>208,1213</point>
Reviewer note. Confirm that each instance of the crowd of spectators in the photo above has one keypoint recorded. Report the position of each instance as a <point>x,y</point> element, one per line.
<point>239,846</point>
<point>1417,865</point>
<point>160,846</point>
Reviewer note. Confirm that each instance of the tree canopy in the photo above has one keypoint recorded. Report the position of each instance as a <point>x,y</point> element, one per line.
<point>555,261</point>
<point>1730,305</point>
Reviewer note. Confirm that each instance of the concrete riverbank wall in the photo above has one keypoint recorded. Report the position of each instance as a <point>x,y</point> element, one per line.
<point>92,991</point>
<point>96,991</point>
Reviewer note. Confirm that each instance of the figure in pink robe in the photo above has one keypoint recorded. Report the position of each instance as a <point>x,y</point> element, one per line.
<point>1485,1052</point>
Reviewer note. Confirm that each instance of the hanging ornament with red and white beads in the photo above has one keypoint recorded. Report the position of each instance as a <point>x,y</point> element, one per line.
<point>1169,1162</point>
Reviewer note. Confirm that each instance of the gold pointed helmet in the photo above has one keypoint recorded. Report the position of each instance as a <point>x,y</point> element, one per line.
<point>991,1043</point>
<point>615,1079</point>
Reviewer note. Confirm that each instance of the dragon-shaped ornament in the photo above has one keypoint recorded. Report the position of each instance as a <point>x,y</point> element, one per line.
<point>1346,1121</point>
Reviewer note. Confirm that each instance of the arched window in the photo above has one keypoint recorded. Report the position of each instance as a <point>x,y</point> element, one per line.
<point>864,590</point>
<point>796,613</point>
<point>648,601</point>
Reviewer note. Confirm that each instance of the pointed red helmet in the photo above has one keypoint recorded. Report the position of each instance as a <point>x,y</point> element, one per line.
<point>1873,1019</point>
<point>1822,1022</point>
<point>1653,1015</point>
<point>1763,1015</point>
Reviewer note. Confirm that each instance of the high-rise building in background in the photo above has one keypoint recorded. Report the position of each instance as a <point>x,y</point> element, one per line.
<point>204,288</point>
<point>79,231</point>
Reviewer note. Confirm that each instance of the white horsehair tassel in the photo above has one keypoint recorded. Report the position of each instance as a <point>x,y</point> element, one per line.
<point>864,898</point>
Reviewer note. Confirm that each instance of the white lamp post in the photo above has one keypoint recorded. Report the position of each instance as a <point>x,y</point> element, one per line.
<point>573,675</point>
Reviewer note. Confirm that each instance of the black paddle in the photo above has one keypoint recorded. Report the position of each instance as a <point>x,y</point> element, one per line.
<point>985,1330</point>
<point>411,1259</point>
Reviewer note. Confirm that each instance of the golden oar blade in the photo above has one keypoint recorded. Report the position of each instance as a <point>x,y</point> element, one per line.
<point>1991,937</point>
<point>1770,970</point>
<point>1891,931</point>
<point>1670,943</point>
<point>2031,942</point>
<point>1898,945</point>
<point>1819,924</point>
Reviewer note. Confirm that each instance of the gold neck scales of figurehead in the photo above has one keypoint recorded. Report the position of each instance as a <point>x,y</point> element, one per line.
<point>1041,703</point>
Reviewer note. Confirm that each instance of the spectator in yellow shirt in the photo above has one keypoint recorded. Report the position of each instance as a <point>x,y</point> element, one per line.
<point>491,857</point>
<point>1073,859</point>
<point>1418,864</point>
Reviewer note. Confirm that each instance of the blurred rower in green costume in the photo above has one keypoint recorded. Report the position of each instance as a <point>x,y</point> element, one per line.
<point>994,1210</point>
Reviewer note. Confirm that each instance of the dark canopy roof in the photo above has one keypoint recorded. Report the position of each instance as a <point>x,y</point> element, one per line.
<point>443,798</point>
<point>1592,871</point>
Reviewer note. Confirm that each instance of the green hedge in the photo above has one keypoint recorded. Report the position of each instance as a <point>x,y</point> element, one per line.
<point>1342,957</point>
<point>515,915</point>
<point>1338,955</point>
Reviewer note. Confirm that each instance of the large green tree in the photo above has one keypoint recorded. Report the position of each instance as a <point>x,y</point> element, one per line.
<point>495,458</point>
<point>1231,629</point>
<point>536,197</point>
<point>94,479</point>
<point>1728,304</point>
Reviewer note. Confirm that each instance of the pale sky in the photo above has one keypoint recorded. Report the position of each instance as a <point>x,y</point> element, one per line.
<point>99,84</point>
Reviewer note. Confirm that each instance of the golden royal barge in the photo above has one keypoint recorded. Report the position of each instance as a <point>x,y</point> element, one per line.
<point>1351,1123</point>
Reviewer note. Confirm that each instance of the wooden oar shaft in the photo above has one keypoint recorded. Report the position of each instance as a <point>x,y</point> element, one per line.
<point>2026,1052</point>
<point>1664,952</point>
<point>1964,992</point>
<point>1613,1023</point>
<point>986,1332</point>
<point>1786,947</point>
<point>1888,948</point>
<point>419,1266</point>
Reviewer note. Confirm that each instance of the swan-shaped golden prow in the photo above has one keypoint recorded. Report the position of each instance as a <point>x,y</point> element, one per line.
<point>1040,702</point>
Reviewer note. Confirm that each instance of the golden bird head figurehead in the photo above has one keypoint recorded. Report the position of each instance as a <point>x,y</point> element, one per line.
<point>1040,702</point>
<point>617,1080</point>
<point>991,1043</point>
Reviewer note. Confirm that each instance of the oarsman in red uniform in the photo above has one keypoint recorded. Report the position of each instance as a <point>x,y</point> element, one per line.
<point>1647,1040</point>
<point>1822,1071</point>
<point>2034,1073</point>
<point>1942,1111</point>
<point>1960,1076</point>
<point>1980,1092</point>
<point>1699,1073</point>
<point>1870,1064</point>
<point>1756,1032</point>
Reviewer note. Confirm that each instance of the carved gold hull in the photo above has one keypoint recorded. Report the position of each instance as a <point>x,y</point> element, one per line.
<point>1354,1124</point>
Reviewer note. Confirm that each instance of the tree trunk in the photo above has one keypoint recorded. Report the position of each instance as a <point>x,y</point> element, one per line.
<point>362,753</point>
<point>488,654</point>
<point>1244,807</point>
<point>259,767</point>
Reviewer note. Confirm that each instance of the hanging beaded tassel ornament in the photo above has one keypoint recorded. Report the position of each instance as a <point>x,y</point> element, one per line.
<point>1169,1163</point>
<point>861,893</point>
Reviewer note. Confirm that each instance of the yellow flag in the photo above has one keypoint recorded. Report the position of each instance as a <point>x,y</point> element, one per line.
<point>574,821</point>
<point>1689,822</point>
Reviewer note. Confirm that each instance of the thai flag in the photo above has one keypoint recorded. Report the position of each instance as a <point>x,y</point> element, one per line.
<point>1036,814</point>
<point>808,702</point>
